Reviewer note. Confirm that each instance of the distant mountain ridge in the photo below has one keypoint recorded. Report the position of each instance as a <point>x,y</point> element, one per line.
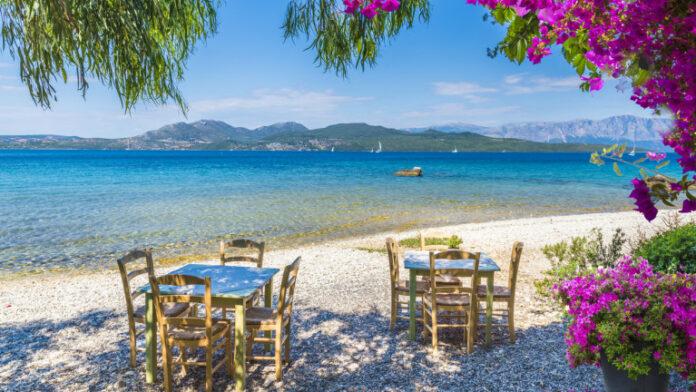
<point>645,132</point>
<point>580,135</point>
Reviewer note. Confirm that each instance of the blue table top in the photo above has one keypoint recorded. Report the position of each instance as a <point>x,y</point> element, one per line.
<point>225,280</point>
<point>420,260</point>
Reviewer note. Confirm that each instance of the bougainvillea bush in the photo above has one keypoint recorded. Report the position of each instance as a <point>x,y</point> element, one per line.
<point>636,316</point>
<point>649,43</point>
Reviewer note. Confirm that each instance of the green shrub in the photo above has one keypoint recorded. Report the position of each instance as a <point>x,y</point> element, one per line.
<point>414,242</point>
<point>579,256</point>
<point>671,251</point>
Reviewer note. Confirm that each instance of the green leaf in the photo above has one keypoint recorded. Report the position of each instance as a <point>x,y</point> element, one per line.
<point>617,170</point>
<point>639,160</point>
<point>661,165</point>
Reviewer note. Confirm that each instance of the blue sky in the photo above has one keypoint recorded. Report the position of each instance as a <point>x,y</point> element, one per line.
<point>246,75</point>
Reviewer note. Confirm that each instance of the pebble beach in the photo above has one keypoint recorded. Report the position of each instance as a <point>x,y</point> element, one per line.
<point>68,331</point>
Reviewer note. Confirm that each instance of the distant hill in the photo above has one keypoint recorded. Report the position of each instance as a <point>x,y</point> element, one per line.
<point>580,135</point>
<point>364,137</point>
<point>618,129</point>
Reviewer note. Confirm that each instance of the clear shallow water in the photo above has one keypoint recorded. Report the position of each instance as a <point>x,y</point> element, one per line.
<point>82,208</point>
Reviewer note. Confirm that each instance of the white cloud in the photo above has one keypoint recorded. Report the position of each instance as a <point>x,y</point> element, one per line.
<point>459,111</point>
<point>461,88</point>
<point>526,84</point>
<point>286,100</point>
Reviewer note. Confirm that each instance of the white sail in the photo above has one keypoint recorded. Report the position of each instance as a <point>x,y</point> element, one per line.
<point>455,151</point>
<point>332,149</point>
<point>379,147</point>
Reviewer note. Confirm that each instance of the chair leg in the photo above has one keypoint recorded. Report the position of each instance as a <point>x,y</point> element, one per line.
<point>209,368</point>
<point>433,318</point>
<point>288,335</point>
<point>277,354</point>
<point>471,333</point>
<point>250,342</point>
<point>511,321</point>
<point>394,305</point>
<point>184,357</point>
<point>167,366</point>
<point>133,352</point>
<point>229,356</point>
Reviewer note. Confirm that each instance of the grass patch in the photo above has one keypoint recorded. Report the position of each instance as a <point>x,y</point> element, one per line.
<point>414,242</point>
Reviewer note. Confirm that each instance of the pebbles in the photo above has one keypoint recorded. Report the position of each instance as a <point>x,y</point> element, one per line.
<point>65,332</point>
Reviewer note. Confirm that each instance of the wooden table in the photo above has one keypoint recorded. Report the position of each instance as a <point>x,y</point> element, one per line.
<point>418,264</point>
<point>232,287</point>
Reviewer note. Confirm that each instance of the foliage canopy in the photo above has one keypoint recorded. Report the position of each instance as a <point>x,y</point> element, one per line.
<point>139,48</point>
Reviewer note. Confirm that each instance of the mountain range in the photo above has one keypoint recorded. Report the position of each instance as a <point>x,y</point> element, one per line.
<point>639,131</point>
<point>578,135</point>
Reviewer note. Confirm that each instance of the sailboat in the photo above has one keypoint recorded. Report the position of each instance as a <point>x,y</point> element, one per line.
<point>455,151</point>
<point>379,148</point>
<point>633,151</point>
<point>372,150</point>
<point>332,149</point>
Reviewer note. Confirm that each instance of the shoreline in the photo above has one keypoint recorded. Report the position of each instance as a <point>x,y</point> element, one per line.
<point>350,240</point>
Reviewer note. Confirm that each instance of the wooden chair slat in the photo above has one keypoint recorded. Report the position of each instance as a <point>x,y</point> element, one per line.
<point>282,326</point>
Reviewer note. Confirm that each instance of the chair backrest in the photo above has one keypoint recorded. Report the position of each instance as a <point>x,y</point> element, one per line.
<point>393,255</point>
<point>127,276</point>
<point>514,266</point>
<point>423,246</point>
<point>287,288</point>
<point>245,247</point>
<point>179,281</point>
<point>454,254</point>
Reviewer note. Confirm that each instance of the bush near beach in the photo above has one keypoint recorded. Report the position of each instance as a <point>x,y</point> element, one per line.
<point>671,251</point>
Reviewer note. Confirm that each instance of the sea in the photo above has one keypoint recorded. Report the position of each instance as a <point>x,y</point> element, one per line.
<point>82,209</point>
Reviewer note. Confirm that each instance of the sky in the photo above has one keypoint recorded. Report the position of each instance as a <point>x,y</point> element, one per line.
<point>247,75</point>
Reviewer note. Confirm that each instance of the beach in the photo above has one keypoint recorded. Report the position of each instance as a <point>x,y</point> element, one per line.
<point>68,330</point>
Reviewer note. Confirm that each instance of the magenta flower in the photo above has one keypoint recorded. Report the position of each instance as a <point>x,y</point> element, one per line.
<point>370,11</point>
<point>351,6</point>
<point>390,5</point>
<point>644,202</point>
<point>688,206</point>
<point>596,83</point>
<point>655,156</point>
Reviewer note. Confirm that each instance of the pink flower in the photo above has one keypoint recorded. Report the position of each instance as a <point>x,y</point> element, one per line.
<point>390,5</point>
<point>351,6</point>
<point>369,11</point>
<point>655,156</point>
<point>596,83</point>
<point>644,202</point>
<point>688,206</point>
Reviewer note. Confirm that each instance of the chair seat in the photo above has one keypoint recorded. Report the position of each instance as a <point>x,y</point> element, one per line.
<point>448,299</point>
<point>498,291</point>
<point>260,316</point>
<point>170,310</point>
<point>196,333</point>
<point>444,280</point>
<point>403,286</point>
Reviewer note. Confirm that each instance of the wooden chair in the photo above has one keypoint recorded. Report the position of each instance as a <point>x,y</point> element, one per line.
<point>507,294</point>
<point>245,250</point>
<point>137,315</point>
<point>190,332</point>
<point>276,321</point>
<point>244,247</point>
<point>456,303</point>
<point>399,287</point>
<point>444,279</point>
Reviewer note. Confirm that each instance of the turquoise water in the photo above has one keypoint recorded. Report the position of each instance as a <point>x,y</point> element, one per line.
<point>83,208</point>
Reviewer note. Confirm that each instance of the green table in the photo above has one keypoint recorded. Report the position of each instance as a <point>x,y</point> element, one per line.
<point>232,287</point>
<point>418,264</point>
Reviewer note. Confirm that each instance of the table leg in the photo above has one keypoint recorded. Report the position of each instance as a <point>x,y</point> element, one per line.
<point>412,304</point>
<point>150,341</point>
<point>268,302</point>
<point>489,309</point>
<point>239,347</point>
